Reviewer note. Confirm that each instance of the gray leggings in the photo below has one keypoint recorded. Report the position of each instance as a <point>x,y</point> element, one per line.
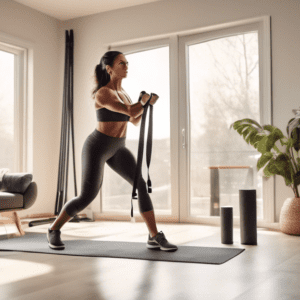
<point>98,149</point>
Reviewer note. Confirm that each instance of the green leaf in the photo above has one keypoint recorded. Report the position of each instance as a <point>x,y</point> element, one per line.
<point>273,138</point>
<point>281,166</point>
<point>264,159</point>
<point>288,125</point>
<point>245,133</point>
<point>251,137</point>
<point>262,145</point>
<point>292,124</point>
<point>242,122</point>
<point>269,128</point>
<point>295,135</point>
<point>267,173</point>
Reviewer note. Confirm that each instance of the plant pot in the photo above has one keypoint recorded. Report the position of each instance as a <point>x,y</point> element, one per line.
<point>289,220</point>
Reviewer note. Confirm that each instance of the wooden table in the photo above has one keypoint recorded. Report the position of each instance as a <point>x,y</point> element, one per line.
<point>215,186</point>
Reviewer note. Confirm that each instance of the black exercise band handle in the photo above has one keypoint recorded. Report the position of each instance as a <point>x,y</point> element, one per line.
<point>141,95</point>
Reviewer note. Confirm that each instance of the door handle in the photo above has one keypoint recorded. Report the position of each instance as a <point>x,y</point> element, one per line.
<point>183,138</point>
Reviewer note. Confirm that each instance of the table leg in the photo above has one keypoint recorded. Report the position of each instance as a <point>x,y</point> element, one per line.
<point>214,192</point>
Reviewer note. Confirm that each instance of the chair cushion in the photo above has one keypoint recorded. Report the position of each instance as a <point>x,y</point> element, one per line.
<point>15,182</point>
<point>10,201</point>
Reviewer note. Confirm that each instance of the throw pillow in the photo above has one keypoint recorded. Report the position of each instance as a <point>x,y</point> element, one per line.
<point>15,182</point>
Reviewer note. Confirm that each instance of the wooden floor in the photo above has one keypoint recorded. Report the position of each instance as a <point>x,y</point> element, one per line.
<point>268,271</point>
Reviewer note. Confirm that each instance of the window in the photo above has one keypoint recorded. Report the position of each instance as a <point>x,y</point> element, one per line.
<point>7,74</point>
<point>149,71</point>
<point>13,103</point>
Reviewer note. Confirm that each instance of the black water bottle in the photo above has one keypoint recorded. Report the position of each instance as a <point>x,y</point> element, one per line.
<point>227,225</point>
<point>248,217</point>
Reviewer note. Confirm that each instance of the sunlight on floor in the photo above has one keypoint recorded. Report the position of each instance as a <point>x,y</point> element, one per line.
<point>17,270</point>
<point>178,234</point>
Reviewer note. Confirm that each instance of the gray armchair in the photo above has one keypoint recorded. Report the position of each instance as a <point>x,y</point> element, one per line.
<point>17,192</point>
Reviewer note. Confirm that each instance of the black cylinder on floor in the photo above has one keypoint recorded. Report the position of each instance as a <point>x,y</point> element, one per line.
<point>248,217</point>
<point>227,225</point>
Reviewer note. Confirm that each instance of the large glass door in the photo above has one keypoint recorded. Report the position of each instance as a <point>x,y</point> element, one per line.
<point>219,84</point>
<point>148,70</point>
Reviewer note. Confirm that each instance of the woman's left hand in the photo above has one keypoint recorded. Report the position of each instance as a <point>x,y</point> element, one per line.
<point>154,99</point>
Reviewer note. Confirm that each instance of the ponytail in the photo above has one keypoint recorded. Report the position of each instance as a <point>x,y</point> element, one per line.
<point>102,78</point>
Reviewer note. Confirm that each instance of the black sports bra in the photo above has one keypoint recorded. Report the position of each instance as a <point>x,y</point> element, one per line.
<point>106,115</point>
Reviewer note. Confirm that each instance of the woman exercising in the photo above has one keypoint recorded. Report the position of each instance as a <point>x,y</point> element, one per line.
<point>106,143</point>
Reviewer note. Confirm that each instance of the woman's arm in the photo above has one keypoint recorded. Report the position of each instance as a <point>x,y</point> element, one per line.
<point>136,121</point>
<point>137,118</point>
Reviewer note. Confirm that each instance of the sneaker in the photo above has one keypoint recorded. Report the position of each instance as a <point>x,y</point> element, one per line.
<point>54,241</point>
<point>160,241</point>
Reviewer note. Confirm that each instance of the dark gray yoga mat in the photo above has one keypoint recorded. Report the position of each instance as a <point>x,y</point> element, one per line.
<point>37,242</point>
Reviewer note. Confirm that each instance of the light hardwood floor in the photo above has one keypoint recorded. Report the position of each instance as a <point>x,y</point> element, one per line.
<point>268,271</point>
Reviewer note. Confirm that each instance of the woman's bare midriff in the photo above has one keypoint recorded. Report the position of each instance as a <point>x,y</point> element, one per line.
<point>114,129</point>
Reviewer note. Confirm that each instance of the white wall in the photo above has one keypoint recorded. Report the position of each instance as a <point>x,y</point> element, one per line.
<point>90,35</point>
<point>27,24</point>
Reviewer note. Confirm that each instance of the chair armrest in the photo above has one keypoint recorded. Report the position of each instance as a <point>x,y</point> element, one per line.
<point>30,195</point>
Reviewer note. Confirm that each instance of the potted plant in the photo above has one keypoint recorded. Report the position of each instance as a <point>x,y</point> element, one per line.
<point>285,163</point>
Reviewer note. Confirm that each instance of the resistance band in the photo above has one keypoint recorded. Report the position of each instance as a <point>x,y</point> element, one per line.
<point>138,171</point>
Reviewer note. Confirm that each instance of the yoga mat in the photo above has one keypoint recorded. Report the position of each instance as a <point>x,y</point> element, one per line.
<point>37,242</point>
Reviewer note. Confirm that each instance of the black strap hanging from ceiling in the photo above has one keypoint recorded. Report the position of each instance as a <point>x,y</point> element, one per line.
<point>138,171</point>
<point>67,123</point>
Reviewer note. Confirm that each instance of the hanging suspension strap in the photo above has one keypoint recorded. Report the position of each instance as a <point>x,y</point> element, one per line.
<point>138,171</point>
<point>149,146</point>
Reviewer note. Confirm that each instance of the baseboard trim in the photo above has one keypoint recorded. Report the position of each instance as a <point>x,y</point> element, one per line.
<point>137,218</point>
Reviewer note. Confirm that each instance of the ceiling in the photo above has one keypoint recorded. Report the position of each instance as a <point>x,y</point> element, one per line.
<point>70,9</point>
